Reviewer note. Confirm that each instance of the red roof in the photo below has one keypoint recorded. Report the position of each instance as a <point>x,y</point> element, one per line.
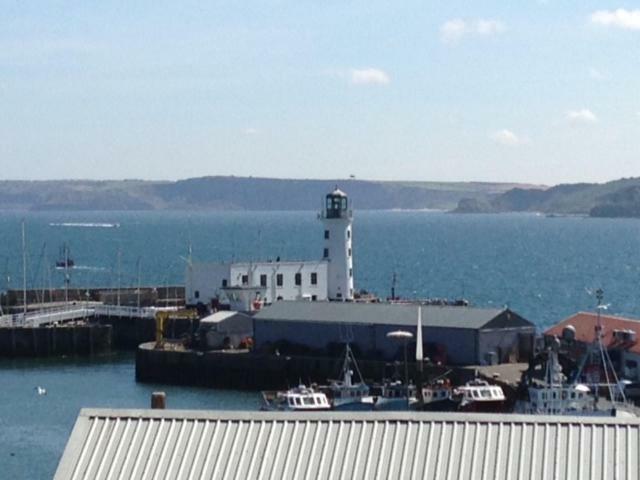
<point>585,323</point>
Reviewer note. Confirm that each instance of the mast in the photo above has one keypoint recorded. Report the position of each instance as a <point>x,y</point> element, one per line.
<point>67,279</point>
<point>24,270</point>
<point>419,354</point>
<point>119,273</point>
<point>139,260</point>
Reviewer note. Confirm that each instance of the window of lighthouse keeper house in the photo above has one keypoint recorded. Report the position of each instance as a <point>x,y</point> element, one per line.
<point>337,249</point>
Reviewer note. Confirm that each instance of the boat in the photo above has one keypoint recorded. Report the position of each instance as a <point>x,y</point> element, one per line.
<point>554,395</point>
<point>437,396</point>
<point>479,395</point>
<point>65,261</point>
<point>345,394</point>
<point>393,395</point>
<point>297,399</point>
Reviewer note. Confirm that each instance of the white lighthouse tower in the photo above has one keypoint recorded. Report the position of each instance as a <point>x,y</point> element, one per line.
<point>337,219</point>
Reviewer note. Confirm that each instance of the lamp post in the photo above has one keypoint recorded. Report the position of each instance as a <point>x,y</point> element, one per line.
<point>404,336</point>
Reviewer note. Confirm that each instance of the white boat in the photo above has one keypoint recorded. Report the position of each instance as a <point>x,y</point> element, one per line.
<point>480,396</point>
<point>300,399</point>
<point>555,396</point>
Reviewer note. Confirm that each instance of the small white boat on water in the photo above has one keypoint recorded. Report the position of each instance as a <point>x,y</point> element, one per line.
<point>300,399</point>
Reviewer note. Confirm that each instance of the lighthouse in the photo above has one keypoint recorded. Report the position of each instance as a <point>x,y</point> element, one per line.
<point>337,218</point>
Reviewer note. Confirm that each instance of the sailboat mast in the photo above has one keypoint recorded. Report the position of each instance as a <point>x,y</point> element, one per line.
<point>119,275</point>
<point>24,270</point>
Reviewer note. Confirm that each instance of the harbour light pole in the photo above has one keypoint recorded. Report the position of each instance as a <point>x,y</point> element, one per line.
<point>404,336</point>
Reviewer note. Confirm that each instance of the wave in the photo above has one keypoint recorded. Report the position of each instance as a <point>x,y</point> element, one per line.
<point>85,225</point>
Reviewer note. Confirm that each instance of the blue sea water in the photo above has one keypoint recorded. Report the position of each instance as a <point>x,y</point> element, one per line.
<point>543,268</point>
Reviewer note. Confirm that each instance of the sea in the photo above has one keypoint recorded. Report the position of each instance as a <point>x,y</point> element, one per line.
<point>544,268</point>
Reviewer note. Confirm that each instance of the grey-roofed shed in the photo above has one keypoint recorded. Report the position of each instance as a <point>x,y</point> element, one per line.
<point>467,335</point>
<point>174,444</point>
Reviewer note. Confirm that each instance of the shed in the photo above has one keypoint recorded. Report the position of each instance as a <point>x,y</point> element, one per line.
<point>468,336</point>
<point>225,327</point>
<point>174,444</point>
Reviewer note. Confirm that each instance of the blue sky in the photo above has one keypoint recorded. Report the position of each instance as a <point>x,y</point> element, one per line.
<point>528,91</point>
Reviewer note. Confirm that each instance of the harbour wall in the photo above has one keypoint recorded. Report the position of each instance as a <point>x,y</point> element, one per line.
<point>258,371</point>
<point>99,335</point>
<point>54,341</point>
<point>128,333</point>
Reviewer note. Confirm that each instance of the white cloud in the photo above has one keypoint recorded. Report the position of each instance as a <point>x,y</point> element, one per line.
<point>620,18</point>
<point>369,76</point>
<point>508,138</point>
<point>453,30</point>
<point>581,116</point>
<point>596,74</point>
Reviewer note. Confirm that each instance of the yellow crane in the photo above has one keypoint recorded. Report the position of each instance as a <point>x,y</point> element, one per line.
<point>161,318</point>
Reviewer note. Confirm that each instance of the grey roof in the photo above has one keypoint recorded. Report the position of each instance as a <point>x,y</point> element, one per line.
<point>124,444</point>
<point>379,313</point>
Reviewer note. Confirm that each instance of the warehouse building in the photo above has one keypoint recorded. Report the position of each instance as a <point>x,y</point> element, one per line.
<point>451,334</point>
<point>351,445</point>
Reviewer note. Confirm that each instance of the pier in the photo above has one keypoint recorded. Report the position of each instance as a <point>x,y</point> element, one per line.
<point>83,328</point>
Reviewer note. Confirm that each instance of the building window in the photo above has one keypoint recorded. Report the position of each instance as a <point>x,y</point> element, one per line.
<point>314,298</point>
<point>197,294</point>
<point>279,280</point>
<point>348,233</point>
<point>263,280</point>
<point>326,253</point>
<point>298,279</point>
<point>326,234</point>
<point>245,279</point>
<point>349,252</point>
<point>350,272</point>
<point>314,278</point>
<point>224,282</point>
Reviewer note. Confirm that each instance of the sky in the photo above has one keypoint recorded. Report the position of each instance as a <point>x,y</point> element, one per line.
<point>541,92</point>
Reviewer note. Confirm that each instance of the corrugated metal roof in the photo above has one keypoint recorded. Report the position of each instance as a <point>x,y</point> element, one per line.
<point>379,313</point>
<point>130,444</point>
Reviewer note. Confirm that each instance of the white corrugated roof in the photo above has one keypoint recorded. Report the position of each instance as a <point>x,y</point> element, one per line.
<point>133,444</point>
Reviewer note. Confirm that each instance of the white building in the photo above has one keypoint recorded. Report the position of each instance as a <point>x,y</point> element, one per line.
<point>241,284</point>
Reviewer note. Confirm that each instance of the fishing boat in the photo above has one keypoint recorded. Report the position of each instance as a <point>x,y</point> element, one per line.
<point>297,399</point>
<point>345,394</point>
<point>555,395</point>
<point>437,396</point>
<point>393,395</point>
<point>479,395</point>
